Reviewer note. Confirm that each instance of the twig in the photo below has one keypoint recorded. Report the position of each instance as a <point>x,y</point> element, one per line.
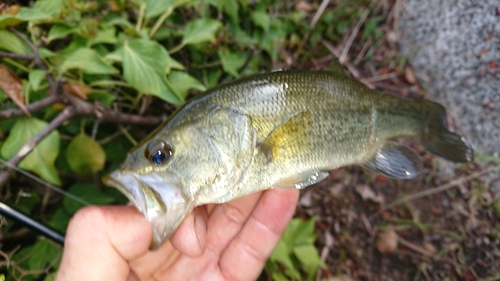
<point>443,187</point>
<point>343,55</point>
<point>83,108</point>
<point>17,56</point>
<point>319,12</point>
<point>67,113</point>
<point>32,107</point>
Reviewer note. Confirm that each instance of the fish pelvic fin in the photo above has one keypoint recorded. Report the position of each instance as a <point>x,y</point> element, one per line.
<point>287,139</point>
<point>437,139</point>
<point>396,161</point>
<point>301,180</point>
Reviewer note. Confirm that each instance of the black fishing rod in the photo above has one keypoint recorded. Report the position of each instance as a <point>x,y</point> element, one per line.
<point>46,231</point>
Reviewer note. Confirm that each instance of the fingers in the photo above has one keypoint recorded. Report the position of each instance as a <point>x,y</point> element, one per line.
<point>104,239</point>
<point>190,238</point>
<point>245,257</point>
<point>226,221</point>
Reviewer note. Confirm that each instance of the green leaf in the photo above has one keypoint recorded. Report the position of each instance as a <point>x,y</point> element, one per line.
<point>106,36</point>
<point>42,10</point>
<point>145,64</point>
<point>41,159</point>
<point>10,42</point>
<point>84,155</point>
<point>35,77</point>
<point>281,254</point>
<point>87,192</point>
<point>200,30</point>
<point>230,8</point>
<point>304,233</point>
<point>8,20</point>
<point>104,97</point>
<point>88,61</point>
<point>157,7</point>
<point>180,82</point>
<point>261,18</point>
<point>60,30</point>
<point>43,254</point>
<point>308,257</point>
<point>60,220</point>
<point>232,62</point>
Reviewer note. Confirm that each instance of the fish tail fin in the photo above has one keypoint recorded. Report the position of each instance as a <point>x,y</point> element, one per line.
<point>437,139</point>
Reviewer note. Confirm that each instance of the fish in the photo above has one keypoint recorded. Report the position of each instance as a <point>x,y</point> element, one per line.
<point>282,129</point>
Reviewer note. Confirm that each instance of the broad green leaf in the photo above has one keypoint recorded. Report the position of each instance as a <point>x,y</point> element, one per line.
<point>60,220</point>
<point>304,233</point>
<point>180,82</point>
<point>200,30</point>
<point>43,254</point>
<point>8,20</point>
<point>281,254</point>
<point>157,7</point>
<point>42,10</point>
<point>308,256</point>
<point>59,30</point>
<point>261,18</point>
<point>35,77</point>
<point>88,61</point>
<point>232,62</point>
<point>84,155</point>
<point>46,53</point>
<point>10,42</point>
<point>87,192</point>
<point>145,64</point>
<point>41,159</point>
<point>231,9</point>
<point>106,36</point>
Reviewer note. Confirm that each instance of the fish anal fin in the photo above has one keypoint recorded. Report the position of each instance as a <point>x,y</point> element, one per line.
<point>396,161</point>
<point>287,139</point>
<point>301,180</point>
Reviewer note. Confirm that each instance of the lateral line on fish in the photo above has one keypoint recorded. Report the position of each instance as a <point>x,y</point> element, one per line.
<point>53,187</point>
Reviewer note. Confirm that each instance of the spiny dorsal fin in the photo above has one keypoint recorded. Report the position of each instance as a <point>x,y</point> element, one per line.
<point>301,180</point>
<point>336,67</point>
<point>396,161</point>
<point>286,140</point>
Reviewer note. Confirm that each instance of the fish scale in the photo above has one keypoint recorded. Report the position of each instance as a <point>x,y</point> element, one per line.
<point>283,129</point>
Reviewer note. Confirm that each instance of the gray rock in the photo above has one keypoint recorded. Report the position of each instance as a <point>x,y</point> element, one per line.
<point>454,47</point>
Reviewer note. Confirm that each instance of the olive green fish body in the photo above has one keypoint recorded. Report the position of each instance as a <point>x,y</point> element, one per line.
<point>281,129</point>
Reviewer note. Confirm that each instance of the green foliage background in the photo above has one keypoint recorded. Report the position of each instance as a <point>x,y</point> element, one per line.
<point>123,56</point>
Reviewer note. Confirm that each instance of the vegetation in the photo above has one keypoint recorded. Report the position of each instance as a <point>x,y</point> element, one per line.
<point>81,81</point>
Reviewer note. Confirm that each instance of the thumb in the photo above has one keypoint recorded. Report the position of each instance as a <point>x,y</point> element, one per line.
<point>100,241</point>
<point>190,238</point>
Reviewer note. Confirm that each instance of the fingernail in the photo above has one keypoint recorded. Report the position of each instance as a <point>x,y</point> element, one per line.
<point>201,230</point>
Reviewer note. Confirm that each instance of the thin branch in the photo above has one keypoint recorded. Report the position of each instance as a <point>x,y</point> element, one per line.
<point>83,108</point>
<point>32,107</point>
<point>17,56</point>
<point>66,114</point>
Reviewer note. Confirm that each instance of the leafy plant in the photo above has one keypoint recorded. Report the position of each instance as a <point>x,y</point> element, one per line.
<point>295,253</point>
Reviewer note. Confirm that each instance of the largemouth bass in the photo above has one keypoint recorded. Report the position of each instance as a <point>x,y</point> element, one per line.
<point>283,129</point>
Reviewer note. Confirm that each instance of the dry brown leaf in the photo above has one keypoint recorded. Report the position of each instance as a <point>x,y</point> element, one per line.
<point>13,87</point>
<point>304,6</point>
<point>387,241</point>
<point>368,194</point>
<point>410,75</point>
<point>12,10</point>
<point>77,90</point>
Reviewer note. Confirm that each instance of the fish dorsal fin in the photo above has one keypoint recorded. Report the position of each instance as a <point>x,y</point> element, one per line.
<point>287,139</point>
<point>301,180</point>
<point>336,67</point>
<point>396,161</point>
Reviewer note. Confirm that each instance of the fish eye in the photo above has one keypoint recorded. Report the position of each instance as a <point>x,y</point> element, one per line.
<point>158,152</point>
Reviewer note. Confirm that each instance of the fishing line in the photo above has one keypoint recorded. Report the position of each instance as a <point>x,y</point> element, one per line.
<point>53,187</point>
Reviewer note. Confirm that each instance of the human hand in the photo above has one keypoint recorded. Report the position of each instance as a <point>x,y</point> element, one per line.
<point>230,241</point>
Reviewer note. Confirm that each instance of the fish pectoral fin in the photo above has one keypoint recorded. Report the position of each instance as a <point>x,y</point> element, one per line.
<point>301,180</point>
<point>396,161</point>
<point>288,139</point>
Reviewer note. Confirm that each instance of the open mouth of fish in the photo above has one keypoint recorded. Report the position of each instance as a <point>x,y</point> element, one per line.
<point>157,196</point>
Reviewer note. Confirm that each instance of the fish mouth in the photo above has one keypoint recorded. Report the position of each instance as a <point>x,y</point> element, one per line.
<point>157,197</point>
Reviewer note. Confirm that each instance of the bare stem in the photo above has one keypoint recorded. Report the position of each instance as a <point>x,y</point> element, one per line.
<point>17,56</point>
<point>32,107</point>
